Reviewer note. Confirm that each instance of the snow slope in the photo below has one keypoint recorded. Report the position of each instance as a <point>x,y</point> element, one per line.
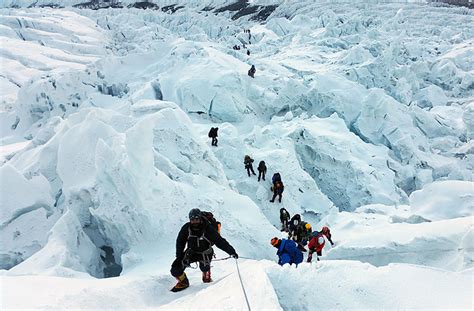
<point>366,110</point>
<point>34,44</point>
<point>338,284</point>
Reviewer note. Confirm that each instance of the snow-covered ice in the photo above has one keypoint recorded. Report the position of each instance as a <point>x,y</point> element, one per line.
<point>365,108</point>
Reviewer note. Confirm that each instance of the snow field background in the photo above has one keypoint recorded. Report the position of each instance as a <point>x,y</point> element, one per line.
<point>366,110</point>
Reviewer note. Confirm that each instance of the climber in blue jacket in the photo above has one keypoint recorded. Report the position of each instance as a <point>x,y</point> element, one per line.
<point>288,251</point>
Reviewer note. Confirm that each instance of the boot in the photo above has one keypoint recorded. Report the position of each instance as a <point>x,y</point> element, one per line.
<point>206,277</point>
<point>183,283</point>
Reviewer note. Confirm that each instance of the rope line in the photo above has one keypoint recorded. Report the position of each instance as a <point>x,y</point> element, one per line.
<point>241,283</point>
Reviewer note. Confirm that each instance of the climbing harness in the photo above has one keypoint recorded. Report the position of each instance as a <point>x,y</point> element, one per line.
<point>241,283</point>
<point>206,257</point>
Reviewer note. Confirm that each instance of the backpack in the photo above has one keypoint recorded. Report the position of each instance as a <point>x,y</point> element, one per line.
<point>296,217</point>
<point>261,166</point>
<point>276,177</point>
<point>211,132</point>
<point>284,214</point>
<point>212,221</point>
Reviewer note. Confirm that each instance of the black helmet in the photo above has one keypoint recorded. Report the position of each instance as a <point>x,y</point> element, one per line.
<point>194,213</point>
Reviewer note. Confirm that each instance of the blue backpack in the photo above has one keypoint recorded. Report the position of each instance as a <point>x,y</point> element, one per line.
<point>276,177</point>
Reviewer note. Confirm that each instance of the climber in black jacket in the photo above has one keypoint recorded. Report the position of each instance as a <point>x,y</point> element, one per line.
<point>199,236</point>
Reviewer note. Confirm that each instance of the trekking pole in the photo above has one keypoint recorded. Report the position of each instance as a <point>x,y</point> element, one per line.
<point>225,258</point>
<point>241,283</point>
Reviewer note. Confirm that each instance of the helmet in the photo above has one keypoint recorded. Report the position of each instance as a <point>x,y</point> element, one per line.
<point>325,230</point>
<point>307,226</point>
<point>274,241</point>
<point>194,213</point>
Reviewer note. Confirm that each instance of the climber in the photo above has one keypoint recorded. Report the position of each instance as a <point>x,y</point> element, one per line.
<point>277,191</point>
<point>199,236</point>
<point>293,225</point>
<point>213,134</point>
<point>316,244</point>
<point>276,177</point>
<point>252,71</point>
<point>288,251</point>
<point>284,218</point>
<point>302,233</point>
<point>305,233</point>
<point>248,164</point>
<point>262,170</point>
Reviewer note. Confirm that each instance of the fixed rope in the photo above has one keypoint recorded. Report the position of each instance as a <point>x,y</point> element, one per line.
<point>241,283</point>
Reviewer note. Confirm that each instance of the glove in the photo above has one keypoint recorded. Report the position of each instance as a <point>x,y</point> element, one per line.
<point>234,256</point>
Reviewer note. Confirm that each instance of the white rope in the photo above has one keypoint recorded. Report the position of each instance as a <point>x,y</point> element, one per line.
<point>241,283</point>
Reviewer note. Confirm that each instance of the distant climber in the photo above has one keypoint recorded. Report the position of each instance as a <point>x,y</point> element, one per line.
<point>199,235</point>
<point>277,187</point>
<point>248,52</point>
<point>306,233</point>
<point>262,170</point>
<point>284,218</point>
<point>248,165</point>
<point>316,244</point>
<point>302,233</point>
<point>252,71</point>
<point>213,134</point>
<point>277,191</point>
<point>288,251</point>
<point>276,177</point>
<point>293,225</point>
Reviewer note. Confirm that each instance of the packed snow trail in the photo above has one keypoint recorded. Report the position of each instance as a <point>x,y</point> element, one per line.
<point>339,284</point>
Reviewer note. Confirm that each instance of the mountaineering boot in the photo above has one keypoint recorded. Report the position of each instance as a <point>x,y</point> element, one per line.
<point>206,277</point>
<point>183,283</point>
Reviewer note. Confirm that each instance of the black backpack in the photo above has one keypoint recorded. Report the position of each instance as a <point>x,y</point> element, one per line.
<point>211,131</point>
<point>212,221</point>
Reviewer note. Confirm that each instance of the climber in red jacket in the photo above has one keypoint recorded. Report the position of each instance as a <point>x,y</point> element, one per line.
<point>316,244</point>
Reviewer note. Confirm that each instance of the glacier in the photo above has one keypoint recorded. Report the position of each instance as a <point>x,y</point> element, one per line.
<point>366,109</point>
